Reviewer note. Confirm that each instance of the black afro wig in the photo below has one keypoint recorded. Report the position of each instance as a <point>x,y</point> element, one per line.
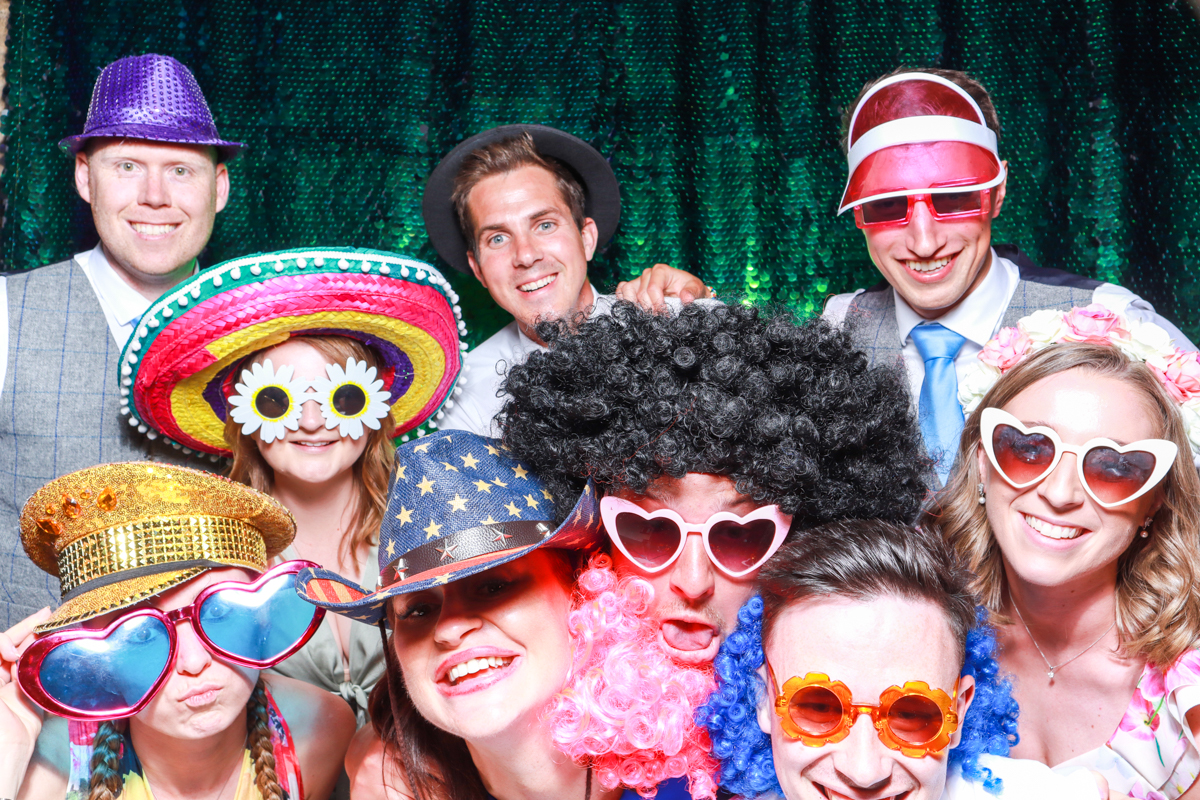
<point>788,410</point>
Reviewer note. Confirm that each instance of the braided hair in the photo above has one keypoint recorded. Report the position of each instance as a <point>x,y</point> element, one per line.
<point>262,752</point>
<point>105,782</point>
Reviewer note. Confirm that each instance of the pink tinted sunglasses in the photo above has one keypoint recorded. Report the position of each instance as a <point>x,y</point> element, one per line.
<point>655,540</point>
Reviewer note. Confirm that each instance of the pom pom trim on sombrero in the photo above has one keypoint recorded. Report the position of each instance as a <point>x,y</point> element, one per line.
<point>182,359</point>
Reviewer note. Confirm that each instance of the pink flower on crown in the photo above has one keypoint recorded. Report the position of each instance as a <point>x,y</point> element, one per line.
<point>1095,324</point>
<point>1006,348</point>
<point>1181,375</point>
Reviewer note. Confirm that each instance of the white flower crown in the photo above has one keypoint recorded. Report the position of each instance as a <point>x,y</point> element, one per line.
<point>1179,370</point>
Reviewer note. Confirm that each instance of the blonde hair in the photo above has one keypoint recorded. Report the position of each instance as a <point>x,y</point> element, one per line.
<point>1158,603</point>
<point>370,471</point>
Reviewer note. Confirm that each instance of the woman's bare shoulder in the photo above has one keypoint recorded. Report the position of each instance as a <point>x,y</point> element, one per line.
<point>372,775</point>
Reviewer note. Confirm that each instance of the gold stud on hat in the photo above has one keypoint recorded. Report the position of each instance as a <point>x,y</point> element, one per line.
<point>116,534</point>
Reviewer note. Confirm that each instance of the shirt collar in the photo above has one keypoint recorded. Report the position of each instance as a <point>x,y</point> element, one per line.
<point>125,302</point>
<point>980,312</point>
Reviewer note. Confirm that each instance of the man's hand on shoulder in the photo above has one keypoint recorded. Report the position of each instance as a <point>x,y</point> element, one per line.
<point>661,281</point>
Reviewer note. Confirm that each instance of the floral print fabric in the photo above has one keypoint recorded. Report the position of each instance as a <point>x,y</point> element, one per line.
<point>1152,755</point>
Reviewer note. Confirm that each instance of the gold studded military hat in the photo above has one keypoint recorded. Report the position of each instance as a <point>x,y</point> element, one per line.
<point>116,534</point>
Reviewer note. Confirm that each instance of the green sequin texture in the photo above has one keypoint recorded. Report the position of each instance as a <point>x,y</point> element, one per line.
<point>720,119</point>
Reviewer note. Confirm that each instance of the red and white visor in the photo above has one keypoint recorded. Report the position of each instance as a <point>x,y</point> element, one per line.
<point>918,133</point>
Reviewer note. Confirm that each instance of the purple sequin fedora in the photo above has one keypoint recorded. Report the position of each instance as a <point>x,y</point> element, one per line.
<point>150,97</point>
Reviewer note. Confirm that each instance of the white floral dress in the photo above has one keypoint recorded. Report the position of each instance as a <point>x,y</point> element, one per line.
<point>1152,755</point>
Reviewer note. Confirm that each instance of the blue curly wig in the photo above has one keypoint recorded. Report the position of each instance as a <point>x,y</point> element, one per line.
<point>747,767</point>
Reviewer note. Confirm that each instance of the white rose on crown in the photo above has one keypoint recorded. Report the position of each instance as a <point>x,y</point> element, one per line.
<point>1178,370</point>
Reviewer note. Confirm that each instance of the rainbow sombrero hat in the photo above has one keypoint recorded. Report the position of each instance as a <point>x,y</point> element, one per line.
<point>183,356</point>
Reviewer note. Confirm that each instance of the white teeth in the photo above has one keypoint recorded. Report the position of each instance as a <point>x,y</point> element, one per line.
<point>476,665</point>
<point>533,286</point>
<point>152,230</point>
<point>1052,531</point>
<point>832,795</point>
<point>928,266</point>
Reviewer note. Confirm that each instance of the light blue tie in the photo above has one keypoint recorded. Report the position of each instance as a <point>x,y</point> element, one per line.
<point>939,412</point>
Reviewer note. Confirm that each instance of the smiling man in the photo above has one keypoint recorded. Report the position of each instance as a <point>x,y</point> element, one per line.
<point>524,208</point>
<point>152,167</point>
<point>711,433</point>
<point>862,672</point>
<point>925,182</point>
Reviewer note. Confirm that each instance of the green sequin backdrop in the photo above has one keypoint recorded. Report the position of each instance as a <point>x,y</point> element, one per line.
<point>720,118</point>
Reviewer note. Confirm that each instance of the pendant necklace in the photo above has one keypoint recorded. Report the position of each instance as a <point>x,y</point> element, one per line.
<point>1050,668</point>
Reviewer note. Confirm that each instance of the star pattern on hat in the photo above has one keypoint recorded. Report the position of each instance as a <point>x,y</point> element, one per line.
<point>441,494</point>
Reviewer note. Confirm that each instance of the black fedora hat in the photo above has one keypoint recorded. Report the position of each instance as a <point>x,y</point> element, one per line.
<point>601,193</point>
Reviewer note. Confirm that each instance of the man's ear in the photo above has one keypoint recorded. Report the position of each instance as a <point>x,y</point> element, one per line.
<point>475,268</point>
<point>766,703</point>
<point>591,235</point>
<point>966,694</point>
<point>222,186</point>
<point>999,191</point>
<point>82,174</point>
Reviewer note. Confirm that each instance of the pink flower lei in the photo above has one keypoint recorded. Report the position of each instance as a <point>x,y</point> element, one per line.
<point>1179,370</point>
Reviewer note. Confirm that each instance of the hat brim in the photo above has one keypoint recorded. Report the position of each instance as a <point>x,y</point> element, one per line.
<point>602,193</point>
<point>921,167</point>
<point>188,344</point>
<point>326,589</point>
<point>116,596</point>
<point>226,151</point>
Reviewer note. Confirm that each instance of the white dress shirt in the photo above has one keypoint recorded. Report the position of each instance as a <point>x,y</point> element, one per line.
<point>123,305</point>
<point>1023,779</point>
<point>978,317</point>
<point>484,369</point>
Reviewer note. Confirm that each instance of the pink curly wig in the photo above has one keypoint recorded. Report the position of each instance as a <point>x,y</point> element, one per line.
<point>627,709</point>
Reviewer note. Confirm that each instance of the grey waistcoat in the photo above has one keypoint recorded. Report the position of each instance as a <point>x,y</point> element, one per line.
<point>871,316</point>
<point>59,412</point>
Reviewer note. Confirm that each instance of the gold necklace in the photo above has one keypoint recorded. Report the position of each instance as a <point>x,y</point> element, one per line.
<point>1051,669</point>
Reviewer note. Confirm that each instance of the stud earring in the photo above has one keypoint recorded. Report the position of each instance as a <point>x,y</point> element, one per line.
<point>982,493</point>
<point>1144,531</point>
